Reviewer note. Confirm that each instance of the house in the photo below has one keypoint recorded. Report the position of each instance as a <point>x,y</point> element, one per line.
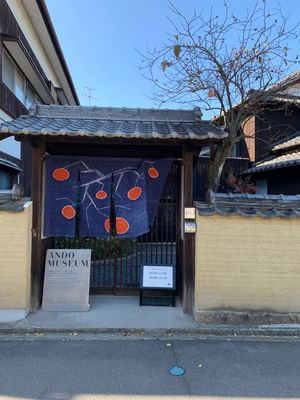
<point>32,69</point>
<point>279,173</point>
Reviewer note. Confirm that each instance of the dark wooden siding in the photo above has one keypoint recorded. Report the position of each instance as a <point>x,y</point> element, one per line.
<point>10,27</point>
<point>232,165</point>
<point>272,126</point>
<point>10,103</point>
<point>281,181</point>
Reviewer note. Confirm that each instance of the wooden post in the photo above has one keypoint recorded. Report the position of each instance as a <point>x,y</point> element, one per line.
<point>38,151</point>
<point>188,239</point>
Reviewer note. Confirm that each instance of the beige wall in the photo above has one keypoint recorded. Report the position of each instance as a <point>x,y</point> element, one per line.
<point>247,264</point>
<point>15,259</point>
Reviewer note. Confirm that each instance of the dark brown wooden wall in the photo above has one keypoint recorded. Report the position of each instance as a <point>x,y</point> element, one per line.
<point>235,165</point>
<point>282,181</point>
<point>10,27</point>
<point>272,126</point>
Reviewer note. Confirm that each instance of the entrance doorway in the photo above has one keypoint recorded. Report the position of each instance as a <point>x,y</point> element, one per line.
<point>116,262</point>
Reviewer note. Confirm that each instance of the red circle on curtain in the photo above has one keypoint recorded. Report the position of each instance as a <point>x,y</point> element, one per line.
<point>134,193</point>
<point>61,174</point>
<point>68,212</point>
<point>101,195</point>
<point>107,225</point>
<point>122,225</point>
<point>153,173</point>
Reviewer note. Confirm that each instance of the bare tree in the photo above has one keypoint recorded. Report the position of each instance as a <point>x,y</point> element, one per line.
<point>226,64</point>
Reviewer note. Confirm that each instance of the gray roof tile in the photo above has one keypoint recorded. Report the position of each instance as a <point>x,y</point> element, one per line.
<point>264,206</point>
<point>284,160</point>
<point>287,81</point>
<point>288,143</point>
<point>7,204</point>
<point>283,98</point>
<point>112,122</point>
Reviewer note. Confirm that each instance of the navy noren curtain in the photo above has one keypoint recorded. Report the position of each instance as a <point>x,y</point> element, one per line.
<point>87,183</point>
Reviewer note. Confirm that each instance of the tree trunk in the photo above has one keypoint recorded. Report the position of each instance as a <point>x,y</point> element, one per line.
<point>215,166</point>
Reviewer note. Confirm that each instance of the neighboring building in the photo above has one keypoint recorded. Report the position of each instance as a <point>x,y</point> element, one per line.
<point>279,173</point>
<point>267,144</point>
<point>32,68</point>
<point>278,120</point>
<point>273,142</point>
<point>10,168</point>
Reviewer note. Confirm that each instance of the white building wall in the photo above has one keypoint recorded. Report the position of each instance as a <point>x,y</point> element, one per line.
<point>25,24</point>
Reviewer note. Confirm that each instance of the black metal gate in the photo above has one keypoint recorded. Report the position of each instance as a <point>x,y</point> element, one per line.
<point>115,264</point>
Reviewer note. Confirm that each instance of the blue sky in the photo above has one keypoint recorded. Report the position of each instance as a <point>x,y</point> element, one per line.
<point>99,39</point>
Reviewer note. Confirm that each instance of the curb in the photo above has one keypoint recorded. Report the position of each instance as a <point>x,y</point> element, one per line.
<point>219,331</point>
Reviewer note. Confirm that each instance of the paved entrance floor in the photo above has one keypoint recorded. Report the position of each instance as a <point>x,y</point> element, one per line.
<point>112,312</point>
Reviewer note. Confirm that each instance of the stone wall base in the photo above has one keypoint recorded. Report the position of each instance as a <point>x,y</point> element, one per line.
<point>12,315</point>
<point>246,317</point>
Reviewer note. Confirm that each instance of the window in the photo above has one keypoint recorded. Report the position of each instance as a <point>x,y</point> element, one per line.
<point>13,78</point>
<point>20,87</point>
<point>8,72</point>
<point>31,96</point>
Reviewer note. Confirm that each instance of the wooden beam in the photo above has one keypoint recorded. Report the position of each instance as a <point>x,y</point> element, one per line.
<point>188,239</point>
<point>37,246</point>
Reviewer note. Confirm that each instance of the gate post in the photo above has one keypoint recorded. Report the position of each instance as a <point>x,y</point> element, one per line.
<point>188,240</point>
<point>38,152</point>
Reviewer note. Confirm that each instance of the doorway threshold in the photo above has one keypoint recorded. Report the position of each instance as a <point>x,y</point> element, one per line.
<point>113,313</point>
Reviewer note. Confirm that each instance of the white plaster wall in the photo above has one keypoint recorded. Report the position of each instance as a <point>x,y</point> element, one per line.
<point>25,24</point>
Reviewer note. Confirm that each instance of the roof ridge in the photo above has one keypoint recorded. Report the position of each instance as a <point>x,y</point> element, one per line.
<point>105,112</point>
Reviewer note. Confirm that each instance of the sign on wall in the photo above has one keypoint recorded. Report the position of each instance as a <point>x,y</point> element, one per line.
<point>158,277</point>
<point>67,280</point>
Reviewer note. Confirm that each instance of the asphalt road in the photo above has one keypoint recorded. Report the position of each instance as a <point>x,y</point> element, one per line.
<point>137,368</point>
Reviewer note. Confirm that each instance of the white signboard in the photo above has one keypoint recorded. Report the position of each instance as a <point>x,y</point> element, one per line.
<point>67,280</point>
<point>189,212</point>
<point>158,276</point>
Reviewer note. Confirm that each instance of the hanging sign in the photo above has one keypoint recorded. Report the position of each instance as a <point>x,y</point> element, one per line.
<point>67,280</point>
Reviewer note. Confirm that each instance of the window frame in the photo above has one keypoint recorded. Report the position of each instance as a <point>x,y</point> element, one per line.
<point>27,85</point>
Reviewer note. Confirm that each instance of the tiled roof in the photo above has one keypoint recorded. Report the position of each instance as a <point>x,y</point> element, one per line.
<point>288,143</point>
<point>287,81</point>
<point>246,205</point>
<point>110,122</point>
<point>285,160</point>
<point>10,205</point>
<point>282,98</point>
<point>14,160</point>
<point>8,164</point>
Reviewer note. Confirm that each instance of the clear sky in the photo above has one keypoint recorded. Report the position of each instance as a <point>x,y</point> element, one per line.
<point>99,39</point>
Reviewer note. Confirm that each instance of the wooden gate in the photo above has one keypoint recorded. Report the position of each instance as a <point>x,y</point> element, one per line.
<point>115,264</point>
